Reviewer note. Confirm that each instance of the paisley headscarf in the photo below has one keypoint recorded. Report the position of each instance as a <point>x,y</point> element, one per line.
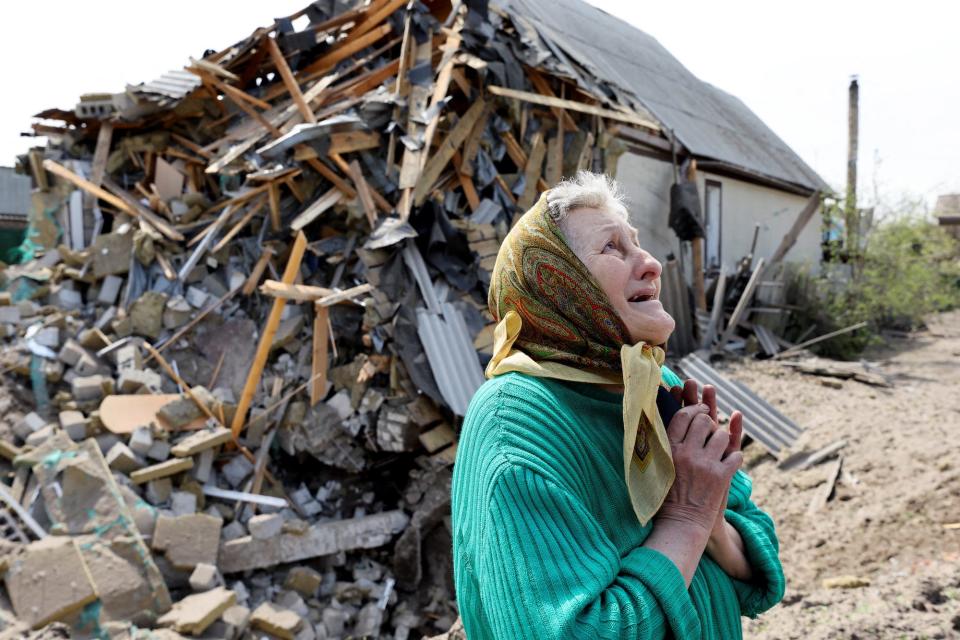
<point>554,321</point>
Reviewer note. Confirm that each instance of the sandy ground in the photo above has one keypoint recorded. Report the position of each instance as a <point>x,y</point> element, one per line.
<point>900,485</point>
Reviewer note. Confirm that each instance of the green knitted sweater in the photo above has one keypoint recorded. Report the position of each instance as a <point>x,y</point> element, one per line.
<point>546,544</point>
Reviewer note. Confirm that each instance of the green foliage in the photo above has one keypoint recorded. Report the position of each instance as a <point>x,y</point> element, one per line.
<point>909,269</point>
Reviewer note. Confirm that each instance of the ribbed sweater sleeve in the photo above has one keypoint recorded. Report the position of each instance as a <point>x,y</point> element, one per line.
<point>546,570</point>
<point>762,549</point>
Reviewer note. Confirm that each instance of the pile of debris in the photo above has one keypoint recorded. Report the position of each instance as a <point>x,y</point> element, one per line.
<point>251,314</point>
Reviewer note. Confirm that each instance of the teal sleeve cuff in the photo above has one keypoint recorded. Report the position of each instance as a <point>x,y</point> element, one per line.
<point>664,581</point>
<point>762,549</point>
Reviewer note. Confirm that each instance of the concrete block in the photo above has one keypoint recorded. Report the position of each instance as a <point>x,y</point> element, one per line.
<point>159,450</point>
<point>133,380</point>
<point>236,619</point>
<point>48,337</point>
<point>121,458</point>
<point>110,290</point>
<point>141,440</point>
<point>196,612</point>
<point>265,526</point>
<point>176,313</point>
<point>236,470</point>
<point>93,387</point>
<point>304,581</point>
<point>66,299</point>
<point>9,315</point>
<point>28,424</point>
<point>128,357</point>
<point>146,314</point>
<point>183,503</point>
<point>159,491</point>
<point>276,621</point>
<point>40,436</point>
<point>205,577</point>
<point>188,540</point>
<point>233,531</point>
<point>71,352</point>
<point>75,424</point>
<point>48,580</point>
<point>196,297</point>
<point>321,539</point>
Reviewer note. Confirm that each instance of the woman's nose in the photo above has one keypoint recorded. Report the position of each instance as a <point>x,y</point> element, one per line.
<point>646,267</point>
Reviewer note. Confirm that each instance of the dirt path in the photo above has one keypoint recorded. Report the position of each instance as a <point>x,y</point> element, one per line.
<point>901,485</point>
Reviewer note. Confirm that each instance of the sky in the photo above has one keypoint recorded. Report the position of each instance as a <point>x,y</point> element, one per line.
<point>792,68</point>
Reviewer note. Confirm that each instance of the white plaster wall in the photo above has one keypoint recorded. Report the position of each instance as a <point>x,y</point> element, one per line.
<point>744,205</point>
<point>647,184</point>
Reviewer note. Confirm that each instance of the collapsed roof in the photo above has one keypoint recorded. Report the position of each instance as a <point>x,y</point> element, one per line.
<point>616,59</point>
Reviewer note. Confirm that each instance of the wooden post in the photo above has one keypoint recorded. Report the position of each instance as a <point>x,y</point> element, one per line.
<point>853,132</point>
<point>263,349</point>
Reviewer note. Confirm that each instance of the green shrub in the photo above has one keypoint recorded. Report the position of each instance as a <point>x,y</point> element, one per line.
<point>909,269</point>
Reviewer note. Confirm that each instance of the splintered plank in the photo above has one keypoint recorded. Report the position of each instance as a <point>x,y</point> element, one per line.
<point>543,87</point>
<point>343,50</point>
<point>321,331</point>
<point>274,195</point>
<point>440,89</point>
<point>573,105</point>
<point>289,81</point>
<point>472,145</point>
<point>312,212</point>
<point>445,151</point>
<point>354,141</point>
<point>117,201</point>
<point>531,172</point>
<point>257,272</point>
<point>266,338</point>
<point>363,190</point>
<point>740,309</point>
<point>247,217</point>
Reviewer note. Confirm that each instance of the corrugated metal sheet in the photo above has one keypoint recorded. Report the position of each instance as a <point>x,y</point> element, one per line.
<point>451,355</point>
<point>174,84</point>
<point>445,338</point>
<point>761,421</point>
<point>609,56</point>
<point>14,193</point>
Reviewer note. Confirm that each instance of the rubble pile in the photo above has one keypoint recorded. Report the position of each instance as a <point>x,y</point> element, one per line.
<point>251,314</point>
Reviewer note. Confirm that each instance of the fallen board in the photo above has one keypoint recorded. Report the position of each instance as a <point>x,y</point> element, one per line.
<point>122,414</point>
<point>761,421</point>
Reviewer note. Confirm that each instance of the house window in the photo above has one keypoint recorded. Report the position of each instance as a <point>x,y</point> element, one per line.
<point>713,210</point>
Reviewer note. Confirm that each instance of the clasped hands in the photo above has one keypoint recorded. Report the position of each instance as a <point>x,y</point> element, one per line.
<point>705,458</point>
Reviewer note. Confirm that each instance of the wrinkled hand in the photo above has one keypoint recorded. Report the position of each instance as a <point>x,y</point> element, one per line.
<point>687,396</point>
<point>703,467</point>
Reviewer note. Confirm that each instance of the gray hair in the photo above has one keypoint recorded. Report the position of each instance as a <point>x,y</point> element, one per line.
<point>586,190</point>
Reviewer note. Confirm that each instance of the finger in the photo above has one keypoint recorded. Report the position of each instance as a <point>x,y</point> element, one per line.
<point>680,423</point>
<point>736,432</point>
<point>710,399</point>
<point>677,392</point>
<point>717,444</point>
<point>690,389</point>
<point>700,428</point>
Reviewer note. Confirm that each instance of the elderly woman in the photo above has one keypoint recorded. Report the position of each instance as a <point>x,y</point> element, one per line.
<point>593,496</point>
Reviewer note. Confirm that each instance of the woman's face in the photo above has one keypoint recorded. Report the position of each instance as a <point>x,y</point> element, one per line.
<point>608,246</point>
